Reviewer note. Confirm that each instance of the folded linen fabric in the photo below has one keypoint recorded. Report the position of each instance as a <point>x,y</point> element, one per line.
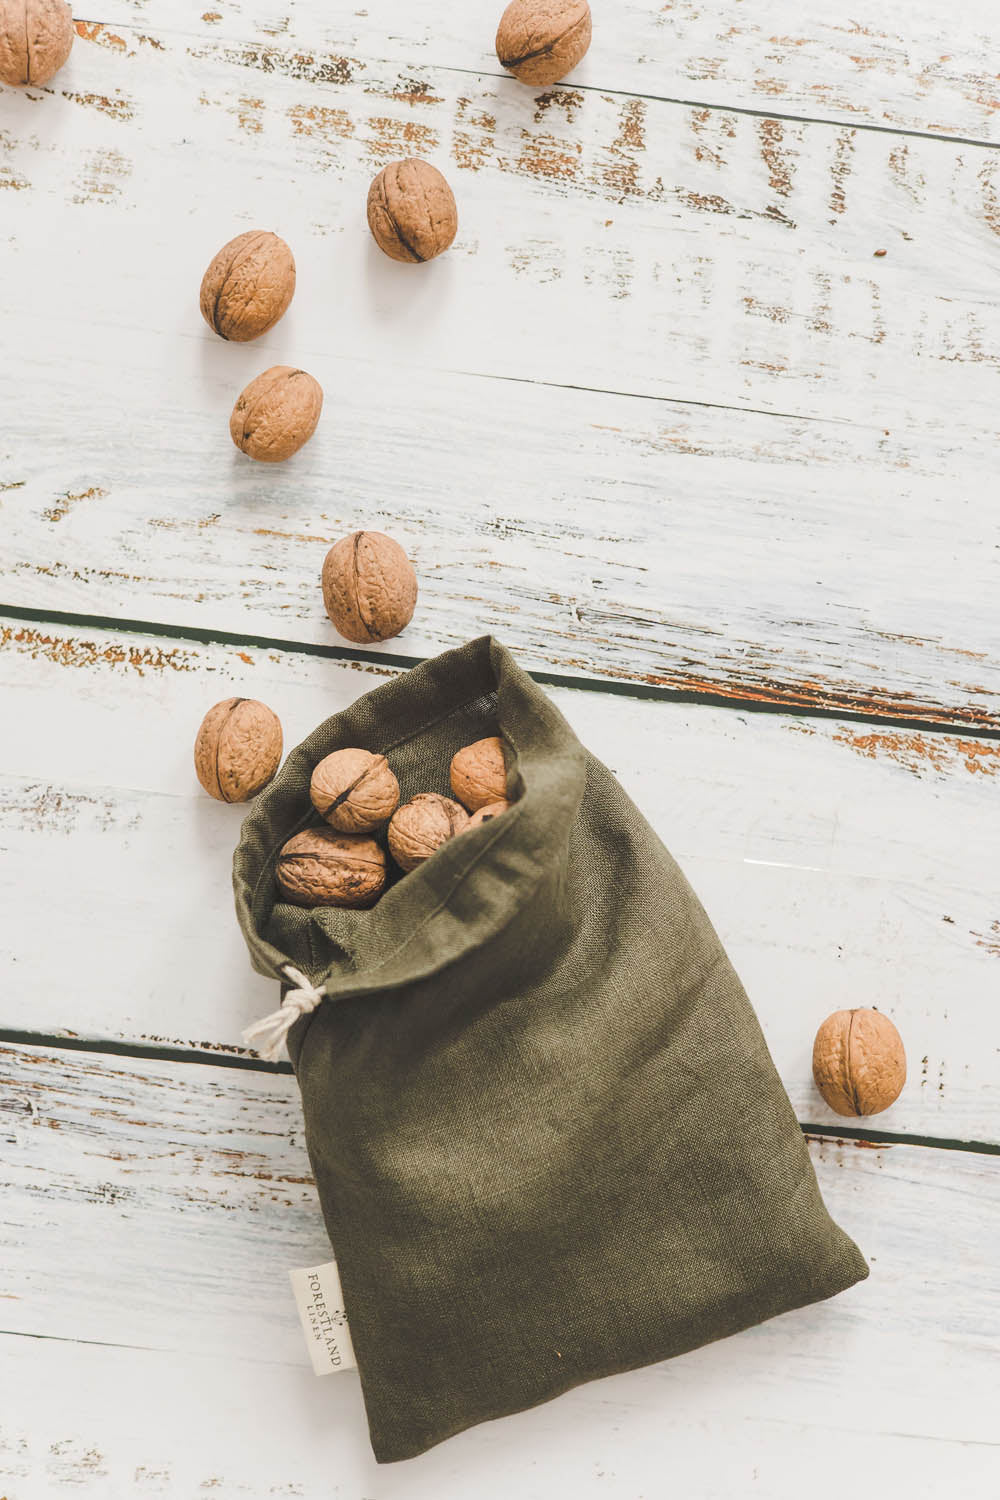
<point>549,1140</point>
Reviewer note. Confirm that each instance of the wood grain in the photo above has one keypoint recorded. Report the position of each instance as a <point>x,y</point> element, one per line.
<point>118,1423</point>
<point>683,547</point>
<point>666,415</point>
<point>770,225</point>
<point>830,542</point>
<point>159,1206</point>
<point>841,866</point>
<point>886,64</point>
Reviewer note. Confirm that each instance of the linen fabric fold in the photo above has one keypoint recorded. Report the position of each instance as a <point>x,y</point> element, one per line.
<point>549,1141</point>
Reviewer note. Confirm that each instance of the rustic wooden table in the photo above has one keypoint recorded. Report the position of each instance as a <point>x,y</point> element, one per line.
<point>700,416</point>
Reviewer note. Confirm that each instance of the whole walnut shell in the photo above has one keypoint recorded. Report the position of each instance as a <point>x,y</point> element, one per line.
<point>276,414</point>
<point>369,587</point>
<point>354,790</point>
<point>322,867</point>
<point>479,774</point>
<point>35,39</point>
<point>237,749</point>
<point>859,1063</point>
<point>540,41</point>
<point>248,286</point>
<point>489,812</point>
<point>411,211</point>
<point>423,825</point>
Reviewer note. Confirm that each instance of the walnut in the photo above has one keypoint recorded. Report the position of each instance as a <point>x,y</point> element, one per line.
<point>248,286</point>
<point>411,211</point>
<point>238,749</point>
<point>369,587</point>
<point>540,41</point>
<point>858,1062</point>
<point>479,774</point>
<point>489,812</point>
<point>423,825</point>
<point>322,867</point>
<point>35,39</point>
<point>276,414</point>
<point>354,790</point>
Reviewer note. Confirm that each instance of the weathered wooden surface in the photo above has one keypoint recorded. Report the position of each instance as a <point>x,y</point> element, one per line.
<point>843,865</point>
<point>184,1192</point>
<point>916,66</point>
<point>772,224</point>
<point>700,555</point>
<point>118,1423</point>
<point>829,541</point>
<point>663,416</point>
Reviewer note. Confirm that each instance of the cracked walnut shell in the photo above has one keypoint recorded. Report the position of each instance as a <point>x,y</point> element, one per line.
<point>540,41</point>
<point>369,587</point>
<point>237,749</point>
<point>411,211</point>
<point>479,774</point>
<point>248,286</point>
<point>422,825</point>
<point>354,790</point>
<point>276,414</point>
<point>35,39</point>
<point>323,867</point>
<point>859,1063</point>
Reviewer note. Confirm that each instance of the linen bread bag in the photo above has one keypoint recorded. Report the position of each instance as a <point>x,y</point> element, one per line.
<point>548,1138</point>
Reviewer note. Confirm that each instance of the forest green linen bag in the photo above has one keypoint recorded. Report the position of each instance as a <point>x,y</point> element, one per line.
<point>549,1141</point>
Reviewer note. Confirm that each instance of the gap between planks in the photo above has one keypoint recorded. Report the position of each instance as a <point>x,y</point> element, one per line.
<point>222,1058</point>
<point>785,116</point>
<point>750,702</point>
<point>603,390</point>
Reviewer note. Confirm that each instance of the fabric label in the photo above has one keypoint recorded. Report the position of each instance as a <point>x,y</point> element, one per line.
<point>320,1302</point>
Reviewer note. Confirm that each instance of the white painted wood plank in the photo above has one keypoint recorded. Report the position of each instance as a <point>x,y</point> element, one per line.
<point>732,553</point>
<point>159,1205</point>
<point>842,865</point>
<point>119,1423</point>
<point>112,1179</point>
<point>890,63</point>
<point>608,243</point>
<point>768,226</point>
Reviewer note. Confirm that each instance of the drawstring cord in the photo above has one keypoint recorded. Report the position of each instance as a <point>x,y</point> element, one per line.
<point>268,1035</point>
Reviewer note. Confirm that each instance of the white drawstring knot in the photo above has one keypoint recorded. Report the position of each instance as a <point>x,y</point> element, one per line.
<point>267,1035</point>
